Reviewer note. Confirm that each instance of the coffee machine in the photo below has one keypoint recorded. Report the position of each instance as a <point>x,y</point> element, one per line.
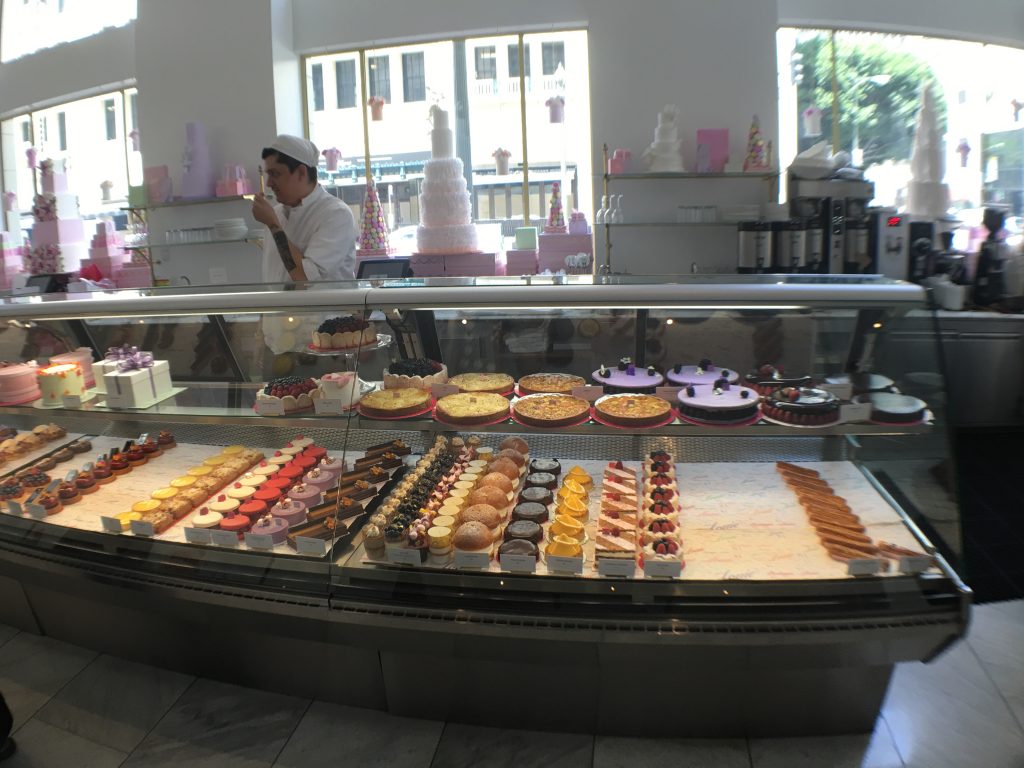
<point>837,222</point>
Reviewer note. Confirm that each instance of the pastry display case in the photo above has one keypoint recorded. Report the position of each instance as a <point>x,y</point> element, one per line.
<point>743,476</point>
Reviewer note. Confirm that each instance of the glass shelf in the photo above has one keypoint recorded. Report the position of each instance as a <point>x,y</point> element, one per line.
<point>715,224</point>
<point>690,175</point>
<point>189,201</point>
<point>146,246</point>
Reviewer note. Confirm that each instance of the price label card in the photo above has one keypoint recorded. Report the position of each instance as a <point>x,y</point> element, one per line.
<point>258,541</point>
<point>662,569</point>
<point>671,394</point>
<point>224,538</point>
<point>25,290</point>
<point>573,565</point>
<point>13,508</point>
<point>442,390</point>
<point>863,567</point>
<point>305,545</point>
<point>115,400</point>
<point>35,511</point>
<point>842,391</point>
<point>72,401</point>
<point>915,564</point>
<point>475,560</point>
<point>404,556</point>
<point>268,408</point>
<point>143,528</point>
<point>197,535</point>
<point>855,412</point>
<point>519,563</point>
<point>589,393</point>
<point>111,525</point>
<point>613,566</point>
<point>327,407</point>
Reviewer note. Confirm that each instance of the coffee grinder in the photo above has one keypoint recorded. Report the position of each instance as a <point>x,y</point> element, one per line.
<point>835,216</point>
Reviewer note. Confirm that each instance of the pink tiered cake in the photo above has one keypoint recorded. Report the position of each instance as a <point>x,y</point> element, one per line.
<point>11,259</point>
<point>58,232</point>
<point>106,251</point>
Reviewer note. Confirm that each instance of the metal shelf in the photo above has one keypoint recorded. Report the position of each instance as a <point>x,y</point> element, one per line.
<point>147,246</point>
<point>690,175</point>
<point>190,201</point>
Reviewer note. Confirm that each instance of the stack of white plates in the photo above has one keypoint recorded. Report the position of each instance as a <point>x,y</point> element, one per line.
<point>230,229</point>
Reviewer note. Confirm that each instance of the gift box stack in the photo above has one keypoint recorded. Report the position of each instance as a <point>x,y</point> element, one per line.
<point>106,251</point>
<point>522,260</point>
<point>456,264</point>
<point>12,259</point>
<point>134,274</point>
<point>558,241</point>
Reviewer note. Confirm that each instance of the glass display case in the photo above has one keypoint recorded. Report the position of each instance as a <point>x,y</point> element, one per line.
<point>747,477</point>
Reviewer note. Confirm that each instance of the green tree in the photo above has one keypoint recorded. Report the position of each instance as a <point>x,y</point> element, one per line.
<point>879,93</point>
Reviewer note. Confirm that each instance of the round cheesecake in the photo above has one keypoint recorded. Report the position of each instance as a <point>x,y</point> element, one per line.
<point>804,406</point>
<point>705,372</point>
<point>550,410</point>
<point>560,383</point>
<point>768,378</point>
<point>472,408</point>
<point>483,382</point>
<point>626,377</point>
<point>721,403</point>
<point>344,332</point>
<point>894,409</point>
<point>394,403</point>
<point>633,410</point>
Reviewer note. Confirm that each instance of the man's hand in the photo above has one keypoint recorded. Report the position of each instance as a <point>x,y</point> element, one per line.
<point>264,212</point>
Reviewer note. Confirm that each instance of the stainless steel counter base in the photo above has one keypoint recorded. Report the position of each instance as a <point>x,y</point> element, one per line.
<point>703,679</point>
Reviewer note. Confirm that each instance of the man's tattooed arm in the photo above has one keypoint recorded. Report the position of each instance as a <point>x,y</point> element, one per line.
<point>284,248</point>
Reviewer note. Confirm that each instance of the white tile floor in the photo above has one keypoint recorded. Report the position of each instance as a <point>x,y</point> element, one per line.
<point>75,708</point>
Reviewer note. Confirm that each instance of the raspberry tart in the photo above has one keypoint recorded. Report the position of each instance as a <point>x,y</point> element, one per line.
<point>420,373</point>
<point>803,406</point>
<point>295,393</point>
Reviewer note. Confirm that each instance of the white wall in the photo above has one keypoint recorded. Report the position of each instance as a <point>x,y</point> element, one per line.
<point>988,21</point>
<point>70,69</point>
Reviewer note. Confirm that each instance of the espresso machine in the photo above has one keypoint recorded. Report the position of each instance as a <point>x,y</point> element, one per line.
<point>837,224</point>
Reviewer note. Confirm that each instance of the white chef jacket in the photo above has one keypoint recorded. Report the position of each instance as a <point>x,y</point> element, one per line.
<point>324,229</point>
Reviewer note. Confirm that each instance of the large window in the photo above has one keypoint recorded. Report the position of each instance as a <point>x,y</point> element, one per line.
<point>873,113</point>
<point>28,26</point>
<point>486,118</point>
<point>414,85</point>
<point>380,77</point>
<point>89,134</point>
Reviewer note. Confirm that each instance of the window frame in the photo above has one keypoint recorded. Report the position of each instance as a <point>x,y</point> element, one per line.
<point>412,80</point>
<point>479,56</point>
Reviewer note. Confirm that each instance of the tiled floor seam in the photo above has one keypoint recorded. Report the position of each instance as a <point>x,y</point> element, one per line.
<point>57,693</point>
<point>437,747</point>
<point>161,719</point>
<point>1002,696</point>
<point>5,642</point>
<point>750,752</point>
<point>892,739</point>
<point>295,727</point>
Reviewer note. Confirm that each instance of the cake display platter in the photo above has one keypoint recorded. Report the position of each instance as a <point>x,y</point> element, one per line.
<point>748,422</point>
<point>85,397</point>
<point>428,408</point>
<point>383,342</point>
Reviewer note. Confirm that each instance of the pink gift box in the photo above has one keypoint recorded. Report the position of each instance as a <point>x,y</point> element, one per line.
<point>134,276</point>
<point>234,187</point>
<point>521,261</point>
<point>427,265</point>
<point>470,264</point>
<point>565,243</point>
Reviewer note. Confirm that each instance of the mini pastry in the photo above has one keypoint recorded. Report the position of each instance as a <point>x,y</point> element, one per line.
<point>185,481</point>
<point>81,446</point>
<point>66,492</point>
<point>309,495</point>
<point>63,454</point>
<point>526,530</point>
<point>119,464</point>
<point>497,480</point>
<point>201,471</point>
<point>11,490</point>
<point>291,511</point>
<point>473,537</point>
<point>223,474</point>
<point>50,503</point>
<point>223,504</point>
<point>176,507</point>
<point>240,492</point>
<point>518,547</point>
<point>531,511</point>
<point>161,521</point>
<point>232,450</point>
<point>541,480</point>
<point>278,458</point>
<point>163,494</point>
<point>315,452</point>
<point>373,540</point>
<point>151,448</point>
<point>564,525</point>
<point>193,495</point>
<point>330,464</point>
<point>29,440</point>
<point>263,469</point>
<point>550,466</point>
<point>253,508</point>
<point>488,494</point>
<point>206,519</point>
<point>274,527</point>
<point>45,464</point>
<point>536,494</point>
<point>35,479</point>
<point>86,483</point>
<point>207,484</point>
<point>103,473</point>
<point>214,461</point>
<point>267,495</point>
<point>165,440</point>
<point>135,456</point>
<point>564,546</point>
<point>235,523</point>
<point>507,467</point>
<point>145,507</point>
<point>126,518</point>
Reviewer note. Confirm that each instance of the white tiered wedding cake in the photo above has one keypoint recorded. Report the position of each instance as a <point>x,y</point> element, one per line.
<point>663,155</point>
<point>446,225</point>
<point>927,195</point>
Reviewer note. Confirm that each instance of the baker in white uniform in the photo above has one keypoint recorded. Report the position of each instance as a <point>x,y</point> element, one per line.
<point>312,234</point>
